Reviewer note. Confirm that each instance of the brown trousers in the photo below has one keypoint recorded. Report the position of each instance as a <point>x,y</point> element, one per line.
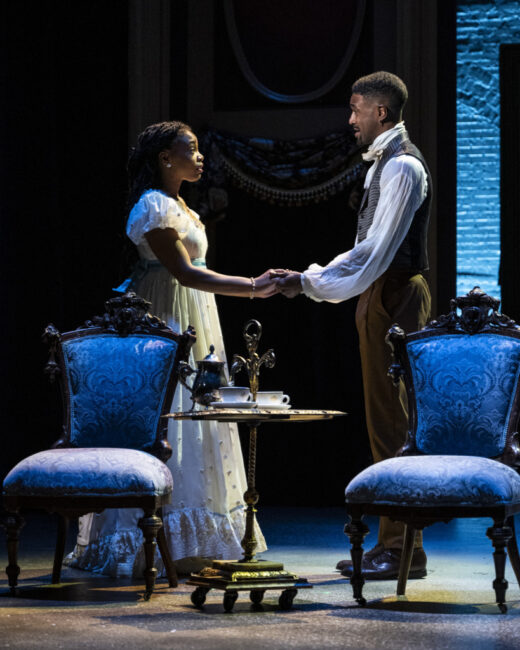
<point>395,297</point>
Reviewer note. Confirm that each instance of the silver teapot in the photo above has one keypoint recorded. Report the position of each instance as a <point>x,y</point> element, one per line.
<point>209,377</point>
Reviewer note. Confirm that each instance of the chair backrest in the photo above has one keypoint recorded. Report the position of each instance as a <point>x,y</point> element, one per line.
<point>118,374</point>
<point>462,378</point>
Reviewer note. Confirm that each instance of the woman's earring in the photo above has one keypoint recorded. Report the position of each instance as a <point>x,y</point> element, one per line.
<point>168,164</point>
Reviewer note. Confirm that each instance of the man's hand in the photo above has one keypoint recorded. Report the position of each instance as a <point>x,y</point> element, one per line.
<point>289,284</point>
<point>278,273</point>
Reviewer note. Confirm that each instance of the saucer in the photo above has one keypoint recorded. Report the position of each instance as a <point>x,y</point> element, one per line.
<point>233,405</point>
<point>274,407</point>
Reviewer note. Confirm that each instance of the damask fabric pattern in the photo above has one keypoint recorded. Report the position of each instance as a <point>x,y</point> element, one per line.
<point>117,386</point>
<point>436,481</point>
<point>89,472</point>
<point>464,387</point>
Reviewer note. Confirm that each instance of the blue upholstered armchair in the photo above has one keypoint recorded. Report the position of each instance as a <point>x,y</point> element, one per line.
<point>461,457</point>
<point>118,374</point>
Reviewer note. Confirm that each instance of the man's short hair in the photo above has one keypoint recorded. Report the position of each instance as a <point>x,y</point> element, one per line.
<point>386,86</point>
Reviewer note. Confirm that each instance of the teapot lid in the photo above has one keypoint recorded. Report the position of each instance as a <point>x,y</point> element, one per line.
<point>211,356</point>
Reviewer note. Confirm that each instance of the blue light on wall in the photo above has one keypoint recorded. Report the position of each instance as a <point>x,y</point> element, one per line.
<point>482,25</point>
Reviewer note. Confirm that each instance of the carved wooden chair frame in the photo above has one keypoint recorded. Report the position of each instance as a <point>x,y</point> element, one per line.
<point>124,315</point>
<point>473,313</point>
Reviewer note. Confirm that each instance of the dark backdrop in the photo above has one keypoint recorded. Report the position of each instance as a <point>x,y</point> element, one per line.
<point>64,137</point>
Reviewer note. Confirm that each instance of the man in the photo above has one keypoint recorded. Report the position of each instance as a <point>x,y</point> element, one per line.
<point>385,268</point>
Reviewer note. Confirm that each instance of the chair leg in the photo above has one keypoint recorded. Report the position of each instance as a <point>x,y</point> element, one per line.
<point>500,534</point>
<point>63,526</point>
<point>13,525</point>
<point>512,549</point>
<point>357,531</point>
<point>406,559</point>
<point>167,558</point>
<point>150,524</point>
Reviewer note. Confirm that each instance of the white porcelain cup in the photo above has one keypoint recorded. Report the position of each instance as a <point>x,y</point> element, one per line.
<point>268,397</point>
<point>234,394</point>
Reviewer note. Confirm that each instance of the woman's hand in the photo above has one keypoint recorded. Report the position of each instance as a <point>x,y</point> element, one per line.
<point>265,285</point>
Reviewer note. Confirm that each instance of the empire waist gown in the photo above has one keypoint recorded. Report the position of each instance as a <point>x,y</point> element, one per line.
<point>206,517</point>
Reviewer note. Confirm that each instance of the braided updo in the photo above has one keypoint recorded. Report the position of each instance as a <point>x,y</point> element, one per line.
<point>143,164</point>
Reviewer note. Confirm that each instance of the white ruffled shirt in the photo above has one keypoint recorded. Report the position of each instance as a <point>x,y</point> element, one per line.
<point>403,187</point>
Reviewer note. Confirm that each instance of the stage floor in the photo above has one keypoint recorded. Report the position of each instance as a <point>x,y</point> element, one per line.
<point>453,607</point>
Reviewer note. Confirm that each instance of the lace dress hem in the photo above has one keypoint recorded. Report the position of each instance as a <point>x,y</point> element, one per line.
<point>195,536</point>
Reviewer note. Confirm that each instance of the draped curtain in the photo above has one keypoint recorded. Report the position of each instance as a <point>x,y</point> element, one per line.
<point>286,173</point>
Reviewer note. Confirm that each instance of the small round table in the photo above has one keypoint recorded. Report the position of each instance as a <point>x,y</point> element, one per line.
<point>249,573</point>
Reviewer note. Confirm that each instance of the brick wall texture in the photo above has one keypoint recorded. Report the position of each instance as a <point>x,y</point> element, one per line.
<point>481,27</point>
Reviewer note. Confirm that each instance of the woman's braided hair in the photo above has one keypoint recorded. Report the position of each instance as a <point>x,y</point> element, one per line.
<point>143,164</point>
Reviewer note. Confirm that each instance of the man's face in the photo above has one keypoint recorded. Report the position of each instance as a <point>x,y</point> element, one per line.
<point>365,118</point>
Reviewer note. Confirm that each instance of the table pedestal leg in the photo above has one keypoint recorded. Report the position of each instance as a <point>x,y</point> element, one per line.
<point>248,573</point>
<point>251,496</point>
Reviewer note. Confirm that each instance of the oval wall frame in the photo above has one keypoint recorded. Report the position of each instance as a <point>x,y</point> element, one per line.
<point>352,32</point>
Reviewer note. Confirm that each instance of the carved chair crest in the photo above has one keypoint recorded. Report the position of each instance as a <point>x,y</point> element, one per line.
<point>478,313</point>
<point>124,315</point>
<point>127,314</point>
<point>473,313</point>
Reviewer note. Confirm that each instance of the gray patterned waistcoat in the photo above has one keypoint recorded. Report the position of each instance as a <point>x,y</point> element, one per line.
<point>412,255</point>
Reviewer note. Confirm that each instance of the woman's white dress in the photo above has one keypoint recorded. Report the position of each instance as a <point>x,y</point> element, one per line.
<point>206,517</point>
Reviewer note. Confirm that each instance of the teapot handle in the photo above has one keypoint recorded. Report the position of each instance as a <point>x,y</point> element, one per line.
<point>185,370</point>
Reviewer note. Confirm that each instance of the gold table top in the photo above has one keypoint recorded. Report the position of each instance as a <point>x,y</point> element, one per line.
<point>256,415</point>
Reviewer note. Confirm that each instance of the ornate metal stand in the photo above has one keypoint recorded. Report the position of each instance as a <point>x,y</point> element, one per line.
<point>249,573</point>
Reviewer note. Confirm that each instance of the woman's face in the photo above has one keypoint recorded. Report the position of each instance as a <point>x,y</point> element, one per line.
<point>184,157</point>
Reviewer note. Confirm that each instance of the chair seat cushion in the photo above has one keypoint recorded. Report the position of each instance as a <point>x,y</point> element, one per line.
<point>436,481</point>
<point>89,472</point>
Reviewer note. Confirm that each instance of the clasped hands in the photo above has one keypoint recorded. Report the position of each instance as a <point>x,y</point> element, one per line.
<point>281,281</point>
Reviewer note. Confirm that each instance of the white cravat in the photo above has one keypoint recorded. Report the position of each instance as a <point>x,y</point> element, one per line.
<point>373,154</point>
<point>403,187</point>
<point>376,149</point>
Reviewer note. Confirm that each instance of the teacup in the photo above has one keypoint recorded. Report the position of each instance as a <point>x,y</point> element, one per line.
<point>271,397</point>
<point>234,394</point>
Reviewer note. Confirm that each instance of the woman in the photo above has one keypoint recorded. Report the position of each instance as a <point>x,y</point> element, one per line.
<point>206,518</point>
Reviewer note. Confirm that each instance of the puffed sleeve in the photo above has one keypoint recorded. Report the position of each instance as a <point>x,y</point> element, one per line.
<point>154,210</point>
